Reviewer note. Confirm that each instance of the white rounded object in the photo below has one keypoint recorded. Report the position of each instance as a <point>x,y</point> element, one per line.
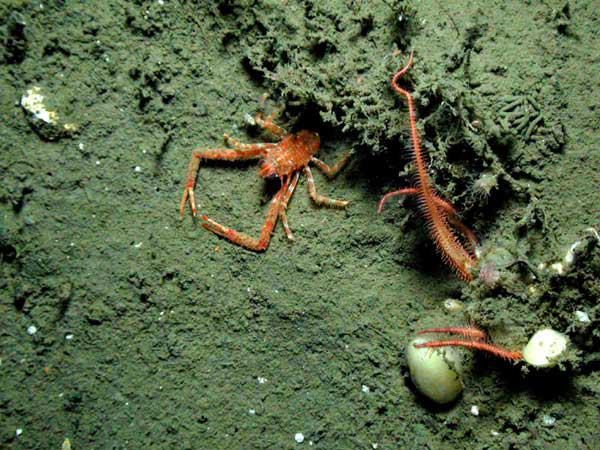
<point>545,347</point>
<point>436,372</point>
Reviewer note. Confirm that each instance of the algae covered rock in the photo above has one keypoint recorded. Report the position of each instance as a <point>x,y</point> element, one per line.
<point>41,112</point>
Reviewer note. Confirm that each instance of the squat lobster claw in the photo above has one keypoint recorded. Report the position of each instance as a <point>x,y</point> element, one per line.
<point>284,159</point>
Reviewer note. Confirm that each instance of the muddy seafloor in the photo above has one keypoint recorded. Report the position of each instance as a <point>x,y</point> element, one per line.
<point>151,332</point>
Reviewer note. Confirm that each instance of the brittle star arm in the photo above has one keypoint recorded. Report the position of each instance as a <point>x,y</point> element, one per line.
<point>244,151</point>
<point>257,245</point>
<point>445,207</point>
<point>319,199</point>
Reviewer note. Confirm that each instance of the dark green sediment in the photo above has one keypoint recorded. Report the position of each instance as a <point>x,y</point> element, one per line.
<point>157,334</point>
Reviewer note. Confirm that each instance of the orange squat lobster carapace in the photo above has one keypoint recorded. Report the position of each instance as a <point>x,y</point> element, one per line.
<point>284,159</point>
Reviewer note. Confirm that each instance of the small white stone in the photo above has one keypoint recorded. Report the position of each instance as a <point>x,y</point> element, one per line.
<point>582,316</point>
<point>81,146</point>
<point>548,421</point>
<point>19,431</point>
<point>570,255</point>
<point>475,410</point>
<point>299,438</point>
<point>261,380</point>
<point>97,162</point>
<point>31,330</point>
<point>532,290</point>
<point>137,168</point>
<point>545,348</point>
<point>365,389</point>
<point>374,445</point>
<point>251,412</point>
<point>138,245</point>
<point>495,433</point>
<point>69,336</point>
<point>452,306</point>
<point>560,269</point>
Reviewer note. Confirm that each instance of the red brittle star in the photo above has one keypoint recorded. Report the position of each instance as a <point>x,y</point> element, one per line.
<point>475,338</point>
<point>439,214</point>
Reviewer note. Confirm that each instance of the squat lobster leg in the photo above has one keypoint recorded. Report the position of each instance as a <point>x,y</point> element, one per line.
<point>244,240</point>
<point>268,124</point>
<point>319,199</point>
<point>246,152</point>
<point>333,170</point>
<point>284,202</point>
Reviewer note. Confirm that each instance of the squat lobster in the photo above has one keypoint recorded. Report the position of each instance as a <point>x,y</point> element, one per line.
<point>283,159</point>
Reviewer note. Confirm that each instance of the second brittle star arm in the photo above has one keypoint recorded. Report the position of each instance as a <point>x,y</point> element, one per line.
<point>249,151</point>
<point>446,207</point>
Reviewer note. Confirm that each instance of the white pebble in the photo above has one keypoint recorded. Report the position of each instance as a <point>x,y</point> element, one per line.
<point>299,438</point>
<point>68,337</point>
<point>97,162</point>
<point>19,431</point>
<point>137,169</point>
<point>31,330</point>
<point>548,421</point>
<point>558,267</point>
<point>452,306</point>
<point>475,410</point>
<point>365,389</point>
<point>545,348</point>
<point>570,255</point>
<point>261,380</point>
<point>251,412</point>
<point>582,316</point>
